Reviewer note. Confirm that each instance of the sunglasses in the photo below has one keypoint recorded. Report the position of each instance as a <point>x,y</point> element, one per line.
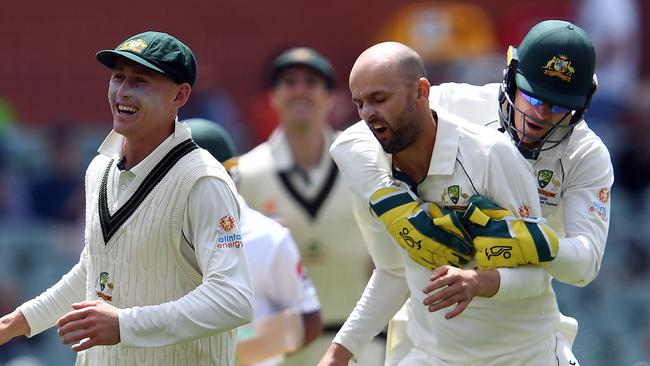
<point>538,103</point>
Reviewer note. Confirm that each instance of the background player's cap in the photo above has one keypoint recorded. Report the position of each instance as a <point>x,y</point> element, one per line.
<point>303,56</point>
<point>213,138</point>
<point>158,51</point>
<point>556,64</point>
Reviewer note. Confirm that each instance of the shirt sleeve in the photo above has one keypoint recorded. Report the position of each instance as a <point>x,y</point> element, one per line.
<point>386,291</point>
<point>43,311</point>
<point>510,183</point>
<point>362,162</point>
<point>586,204</point>
<point>224,299</point>
<point>383,297</point>
<point>288,282</point>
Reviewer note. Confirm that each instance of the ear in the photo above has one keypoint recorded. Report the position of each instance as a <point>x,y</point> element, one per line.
<point>182,94</point>
<point>423,88</point>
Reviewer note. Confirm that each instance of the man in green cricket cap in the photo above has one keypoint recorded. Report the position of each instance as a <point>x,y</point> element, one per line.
<point>152,286</point>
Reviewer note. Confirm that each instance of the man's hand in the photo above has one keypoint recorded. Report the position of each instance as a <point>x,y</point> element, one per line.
<point>432,238</point>
<point>91,323</point>
<point>336,355</point>
<point>459,286</point>
<point>13,325</point>
<point>502,239</point>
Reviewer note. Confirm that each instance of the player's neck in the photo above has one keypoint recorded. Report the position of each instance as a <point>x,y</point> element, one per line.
<point>137,149</point>
<point>415,159</point>
<point>306,146</point>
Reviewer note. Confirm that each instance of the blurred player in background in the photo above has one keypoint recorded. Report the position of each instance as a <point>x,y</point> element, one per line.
<point>280,282</point>
<point>151,286</point>
<point>292,178</point>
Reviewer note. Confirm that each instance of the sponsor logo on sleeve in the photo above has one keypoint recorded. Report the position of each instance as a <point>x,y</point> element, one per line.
<point>524,210</point>
<point>227,224</point>
<point>599,205</point>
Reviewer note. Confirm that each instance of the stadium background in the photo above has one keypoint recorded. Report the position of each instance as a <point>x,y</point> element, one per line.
<point>53,115</point>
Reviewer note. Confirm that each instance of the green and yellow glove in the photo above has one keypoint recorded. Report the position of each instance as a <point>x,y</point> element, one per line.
<point>502,239</point>
<point>431,241</point>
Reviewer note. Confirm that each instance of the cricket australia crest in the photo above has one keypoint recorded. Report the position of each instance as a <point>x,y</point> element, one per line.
<point>559,66</point>
<point>105,287</point>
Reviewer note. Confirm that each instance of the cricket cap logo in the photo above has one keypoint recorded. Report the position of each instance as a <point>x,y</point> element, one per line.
<point>134,45</point>
<point>559,66</point>
<point>544,177</point>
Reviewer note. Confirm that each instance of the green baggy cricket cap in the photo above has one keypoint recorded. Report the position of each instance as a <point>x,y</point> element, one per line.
<point>212,137</point>
<point>556,64</point>
<point>303,56</point>
<point>158,51</point>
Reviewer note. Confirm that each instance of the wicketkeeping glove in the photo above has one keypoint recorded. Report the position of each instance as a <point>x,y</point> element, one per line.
<point>431,241</point>
<point>502,239</point>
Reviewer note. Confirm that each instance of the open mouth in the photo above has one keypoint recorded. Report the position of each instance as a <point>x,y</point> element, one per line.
<point>126,110</point>
<point>377,127</point>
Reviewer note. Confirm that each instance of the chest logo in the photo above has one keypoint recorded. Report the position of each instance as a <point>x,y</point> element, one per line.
<point>454,193</point>
<point>548,184</point>
<point>544,177</point>
<point>105,287</point>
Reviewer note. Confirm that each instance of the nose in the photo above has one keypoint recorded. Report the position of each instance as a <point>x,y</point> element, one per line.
<point>124,89</point>
<point>542,112</point>
<point>367,113</point>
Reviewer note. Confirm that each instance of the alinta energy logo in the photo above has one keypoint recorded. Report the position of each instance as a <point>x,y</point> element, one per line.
<point>599,205</point>
<point>227,223</point>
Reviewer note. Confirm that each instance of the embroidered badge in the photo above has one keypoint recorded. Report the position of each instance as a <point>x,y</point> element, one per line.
<point>524,210</point>
<point>544,177</point>
<point>134,45</point>
<point>452,195</point>
<point>105,287</point>
<point>559,66</point>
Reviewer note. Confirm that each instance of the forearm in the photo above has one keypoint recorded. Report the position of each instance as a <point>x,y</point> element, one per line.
<point>43,311</point>
<point>209,309</point>
<point>522,282</point>
<point>489,281</point>
<point>382,298</point>
<point>576,263</point>
<point>13,325</point>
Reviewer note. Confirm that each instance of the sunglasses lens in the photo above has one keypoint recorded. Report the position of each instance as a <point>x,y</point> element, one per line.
<point>556,109</point>
<point>538,102</point>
